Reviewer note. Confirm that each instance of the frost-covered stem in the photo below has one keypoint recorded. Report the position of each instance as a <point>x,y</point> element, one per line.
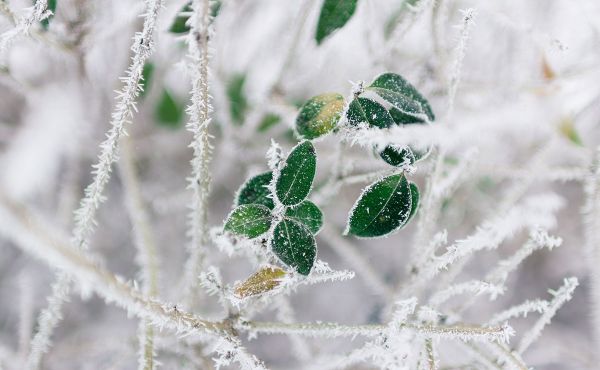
<point>431,355</point>
<point>561,296</point>
<point>285,313</point>
<point>358,262</point>
<point>142,47</point>
<point>428,215</point>
<point>48,320</point>
<point>538,239</point>
<point>37,13</point>
<point>146,247</point>
<point>85,215</point>
<point>510,359</point>
<point>476,287</point>
<point>199,111</point>
<point>538,305</point>
<point>334,330</point>
<point>591,212</point>
<point>461,48</point>
<point>25,314</point>
<point>33,236</point>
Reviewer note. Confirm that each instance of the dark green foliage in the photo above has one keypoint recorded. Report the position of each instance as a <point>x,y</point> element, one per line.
<point>415,200</point>
<point>179,24</point>
<point>51,7</point>
<point>308,214</point>
<point>397,156</point>
<point>168,111</point>
<point>382,208</point>
<point>250,220</point>
<point>319,115</point>
<point>334,15</point>
<point>369,111</point>
<point>255,191</point>
<point>403,96</point>
<point>238,104</point>
<point>296,177</point>
<point>295,245</point>
<point>146,81</point>
<point>269,120</point>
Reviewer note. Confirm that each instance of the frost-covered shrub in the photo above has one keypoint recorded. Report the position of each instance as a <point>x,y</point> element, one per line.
<point>373,184</point>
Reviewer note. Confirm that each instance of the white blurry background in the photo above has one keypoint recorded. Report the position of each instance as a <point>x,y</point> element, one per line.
<point>528,83</point>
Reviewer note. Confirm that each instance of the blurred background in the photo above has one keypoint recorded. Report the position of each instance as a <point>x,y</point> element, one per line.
<point>528,95</point>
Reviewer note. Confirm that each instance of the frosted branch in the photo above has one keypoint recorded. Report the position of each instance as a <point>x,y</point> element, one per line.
<point>561,296</point>
<point>199,112</point>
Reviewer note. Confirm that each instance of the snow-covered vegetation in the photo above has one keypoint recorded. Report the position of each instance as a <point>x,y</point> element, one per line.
<point>299,184</point>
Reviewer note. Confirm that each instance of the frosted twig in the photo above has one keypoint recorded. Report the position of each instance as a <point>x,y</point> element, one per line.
<point>461,48</point>
<point>199,112</point>
<point>523,309</point>
<point>538,239</point>
<point>85,216</point>
<point>333,330</point>
<point>358,262</point>
<point>536,212</point>
<point>35,14</point>
<point>591,218</point>
<point>561,296</point>
<point>475,286</point>
<point>146,248</point>
<point>26,295</point>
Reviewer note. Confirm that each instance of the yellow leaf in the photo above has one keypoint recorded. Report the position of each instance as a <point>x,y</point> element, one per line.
<point>262,281</point>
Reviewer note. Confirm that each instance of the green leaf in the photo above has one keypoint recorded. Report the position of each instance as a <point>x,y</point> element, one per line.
<point>168,112</point>
<point>269,120</point>
<point>334,15</point>
<point>382,208</point>
<point>369,111</point>
<point>397,156</point>
<point>415,200</point>
<point>238,105</point>
<point>308,214</point>
<point>51,6</point>
<point>319,115</point>
<point>409,104</point>
<point>250,220</point>
<point>179,24</point>
<point>146,81</point>
<point>296,177</point>
<point>255,191</point>
<point>295,245</point>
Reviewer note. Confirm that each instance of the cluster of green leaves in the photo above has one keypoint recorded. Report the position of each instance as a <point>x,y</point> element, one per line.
<point>279,205</point>
<point>388,204</point>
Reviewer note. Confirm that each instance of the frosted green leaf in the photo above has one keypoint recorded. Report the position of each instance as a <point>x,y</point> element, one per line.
<point>397,156</point>
<point>238,104</point>
<point>297,174</point>
<point>369,111</point>
<point>295,245</point>
<point>415,200</point>
<point>382,208</point>
<point>308,214</point>
<point>250,220</point>
<point>406,101</point>
<point>255,191</point>
<point>334,15</point>
<point>319,115</point>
